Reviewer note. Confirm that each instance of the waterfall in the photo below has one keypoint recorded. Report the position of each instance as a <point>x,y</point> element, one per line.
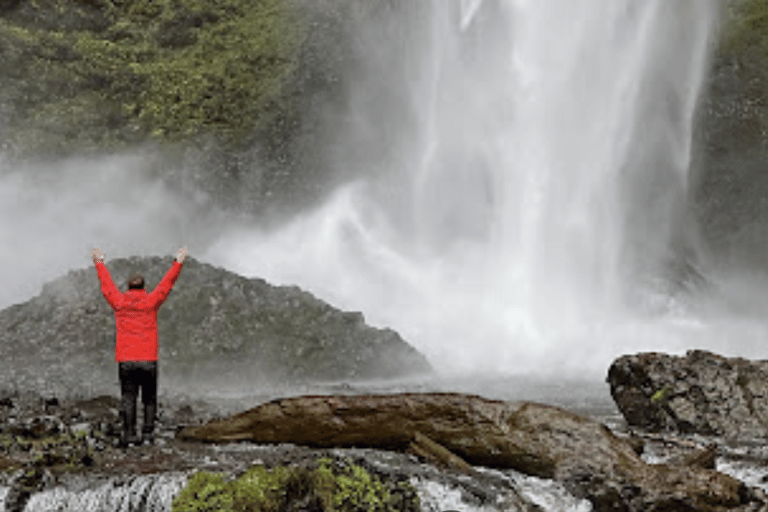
<point>151,493</point>
<point>525,212</point>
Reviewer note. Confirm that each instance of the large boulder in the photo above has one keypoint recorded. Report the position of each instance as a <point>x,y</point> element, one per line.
<point>540,440</point>
<point>700,392</point>
<point>215,328</point>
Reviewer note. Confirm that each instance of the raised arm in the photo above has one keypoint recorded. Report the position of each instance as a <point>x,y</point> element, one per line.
<point>108,288</point>
<point>163,288</point>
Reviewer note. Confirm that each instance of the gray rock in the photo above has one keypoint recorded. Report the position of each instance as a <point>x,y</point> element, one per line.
<point>39,427</point>
<point>700,392</point>
<point>216,328</point>
<point>81,429</point>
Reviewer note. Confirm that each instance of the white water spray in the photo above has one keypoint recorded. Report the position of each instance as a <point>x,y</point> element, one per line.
<point>523,224</point>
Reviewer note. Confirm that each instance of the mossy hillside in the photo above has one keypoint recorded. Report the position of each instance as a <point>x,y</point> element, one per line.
<point>327,485</point>
<point>241,100</point>
<point>166,69</point>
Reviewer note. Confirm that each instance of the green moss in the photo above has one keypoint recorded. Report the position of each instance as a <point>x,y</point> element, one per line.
<point>330,486</point>
<point>661,395</point>
<point>168,69</point>
<point>6,442</point>
<point>745,29</point>
<point>204,492</point>
<point>358,488</point>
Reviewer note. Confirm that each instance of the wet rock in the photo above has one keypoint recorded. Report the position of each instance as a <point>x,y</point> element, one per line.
<point>538,440</point>
<point>700,392</point>
<point>51,405</point>
<point>38,427</point>
<point>702,458</point>
<point>81,430</point>
<point>183,415</point>
<point>215,326</point>
<point>98,408</point>
<point>24,484</point>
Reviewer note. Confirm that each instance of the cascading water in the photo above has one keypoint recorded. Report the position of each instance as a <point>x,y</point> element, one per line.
<point>523,219</point>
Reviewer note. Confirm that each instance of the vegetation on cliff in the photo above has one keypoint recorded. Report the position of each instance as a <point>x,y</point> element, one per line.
<point>230,85</point>
<point>133,70</point>
<point>745,29</point>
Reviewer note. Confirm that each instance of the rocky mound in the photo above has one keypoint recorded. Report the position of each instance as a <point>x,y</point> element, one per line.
<point>215,327</point>
<point>540,440</point>
<point>700,392</point>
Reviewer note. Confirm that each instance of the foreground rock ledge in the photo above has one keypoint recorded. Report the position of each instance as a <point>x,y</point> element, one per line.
<point>462,430</point>
<point>700,392</point>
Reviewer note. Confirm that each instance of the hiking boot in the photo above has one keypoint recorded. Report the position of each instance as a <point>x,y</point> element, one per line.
<point>127,440</point>
<point>148,438</point>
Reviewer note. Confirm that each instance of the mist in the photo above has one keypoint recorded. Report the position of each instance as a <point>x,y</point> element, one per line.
<point>53,213</point>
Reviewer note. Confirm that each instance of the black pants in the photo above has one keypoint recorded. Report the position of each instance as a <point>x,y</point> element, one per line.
<point>135,375</point>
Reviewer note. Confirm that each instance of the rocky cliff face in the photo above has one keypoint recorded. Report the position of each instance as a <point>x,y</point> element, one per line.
<point>730,180</point>
<point>216,327</point>
<point>700,393</point>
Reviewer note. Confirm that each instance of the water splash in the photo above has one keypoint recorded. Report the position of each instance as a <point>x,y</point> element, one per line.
<point>152,493</point>
<point>524,222</point>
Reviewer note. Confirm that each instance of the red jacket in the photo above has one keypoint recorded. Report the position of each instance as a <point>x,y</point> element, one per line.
<point>136,314</point>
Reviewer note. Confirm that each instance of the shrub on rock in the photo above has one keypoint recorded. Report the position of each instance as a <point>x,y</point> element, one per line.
<point>331,485</point>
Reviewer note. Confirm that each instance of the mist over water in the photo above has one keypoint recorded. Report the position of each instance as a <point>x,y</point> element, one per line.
<point>531,199</point>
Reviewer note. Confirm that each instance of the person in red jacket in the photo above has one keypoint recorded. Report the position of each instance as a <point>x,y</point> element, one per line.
<point>136,342</point>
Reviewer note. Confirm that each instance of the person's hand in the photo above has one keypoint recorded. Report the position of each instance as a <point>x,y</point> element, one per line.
<point>181,254</point>
<point>97,255</point>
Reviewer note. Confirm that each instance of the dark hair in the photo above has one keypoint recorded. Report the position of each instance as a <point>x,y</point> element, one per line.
<point>136,282</point>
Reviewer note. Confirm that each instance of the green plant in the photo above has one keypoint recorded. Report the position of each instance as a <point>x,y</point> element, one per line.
<point>6,441</point>
<point>205,492</point>
<point>357,489</point>
<point>330,486</point>
<point>260,489</point>
<point>661,395</point>
<point>746,29</point>
<point>165,69</point>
